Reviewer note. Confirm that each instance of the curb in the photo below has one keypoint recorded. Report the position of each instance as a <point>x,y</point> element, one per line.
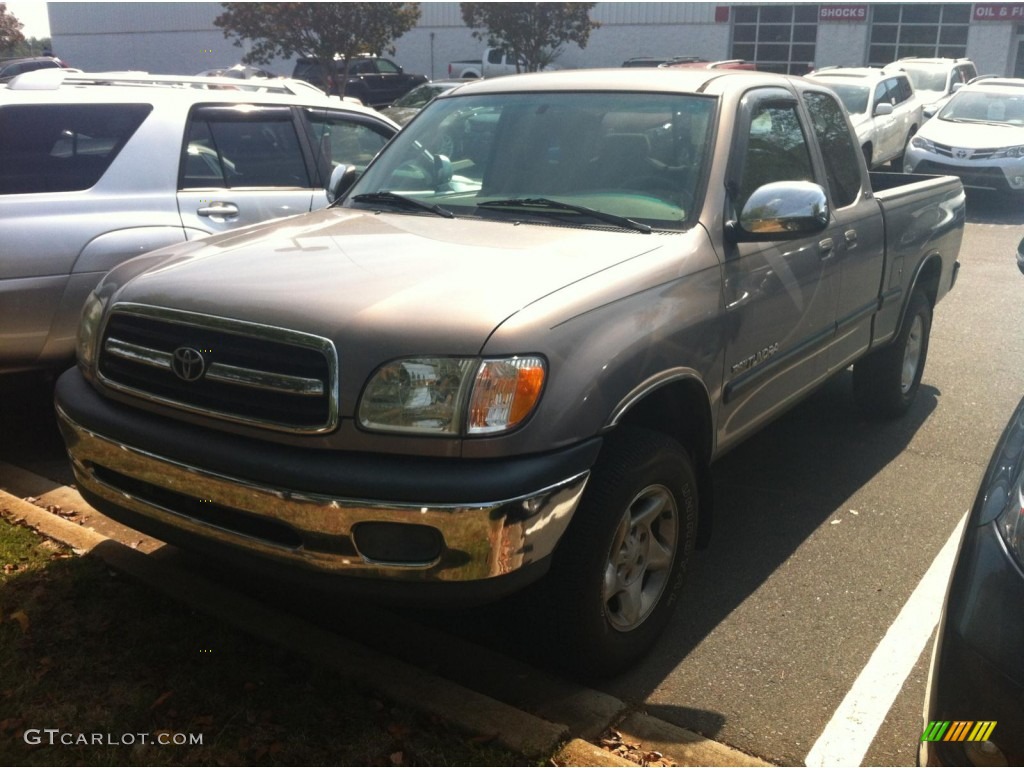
<point>565,716</point>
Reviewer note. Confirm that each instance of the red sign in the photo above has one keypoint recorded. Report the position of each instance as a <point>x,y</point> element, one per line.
<point>998,12</point>
<point>721,13</point>
<point>842,12</point>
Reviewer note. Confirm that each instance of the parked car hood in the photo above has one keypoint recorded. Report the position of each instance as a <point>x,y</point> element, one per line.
<point>426,284</point>
<point>972,135</point>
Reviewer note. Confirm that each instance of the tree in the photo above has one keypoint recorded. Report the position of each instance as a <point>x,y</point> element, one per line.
<point>10,30</point>
<point>534,33</point>
<point>317,30</point>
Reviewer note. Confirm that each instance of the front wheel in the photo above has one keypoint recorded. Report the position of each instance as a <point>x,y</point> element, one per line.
<point>619,569</point>
<point>886,382</point>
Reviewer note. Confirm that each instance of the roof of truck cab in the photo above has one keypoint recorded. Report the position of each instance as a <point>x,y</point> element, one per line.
<point>655,80</point>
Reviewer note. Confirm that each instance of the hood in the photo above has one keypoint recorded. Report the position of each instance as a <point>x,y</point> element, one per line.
<point>413,284</point>
<point>972,135</point>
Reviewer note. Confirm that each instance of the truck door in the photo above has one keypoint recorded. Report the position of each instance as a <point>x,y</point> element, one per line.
<point>241,164</point>
<point>856,231</point>
<point>779,296</point>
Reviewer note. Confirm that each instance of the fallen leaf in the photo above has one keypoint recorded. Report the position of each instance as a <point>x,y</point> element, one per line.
<point>161,700</point>
<point>397,758</point>
<point>22,618</point>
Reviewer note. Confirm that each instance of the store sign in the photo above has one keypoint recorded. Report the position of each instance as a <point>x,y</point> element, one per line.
<point>998,12</point>
<point>842,13</point>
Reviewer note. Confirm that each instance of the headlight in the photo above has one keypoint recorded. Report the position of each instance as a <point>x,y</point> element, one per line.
<point>452,395</point>
<point>1012,152</point>
<point>921,143</point>
<point>1010,525</point>
<point>88,332</point>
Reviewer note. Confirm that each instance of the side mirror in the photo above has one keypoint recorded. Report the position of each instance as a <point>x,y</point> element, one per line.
<point>929,111</point>
<point>342,179</point>
<point>957,87</point>
<point>883,109</point>
<point>442,170</point>
<point>781,210</point>
<point>1020,257</point>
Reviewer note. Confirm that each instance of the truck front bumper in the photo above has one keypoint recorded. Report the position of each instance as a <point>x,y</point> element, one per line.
<point>148,481</point>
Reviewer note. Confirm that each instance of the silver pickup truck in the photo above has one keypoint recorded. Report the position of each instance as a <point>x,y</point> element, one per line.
<point>518,360</point>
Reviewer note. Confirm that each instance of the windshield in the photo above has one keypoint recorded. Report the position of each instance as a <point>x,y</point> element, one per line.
<point>854,97</point>
<point>932,80</point>
<point>637,156</point>
<point>976,106</point>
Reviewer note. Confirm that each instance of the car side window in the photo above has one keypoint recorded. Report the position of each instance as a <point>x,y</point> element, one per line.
<point>386,67</point>
<point>230,147</point>
<point>777,149</point>
<point>62,147</point>
<point>901,89</point>
<point>339,139</point>
<point>840,155</point>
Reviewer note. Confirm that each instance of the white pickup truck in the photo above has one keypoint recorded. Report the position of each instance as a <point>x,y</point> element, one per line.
<point>494,62</point>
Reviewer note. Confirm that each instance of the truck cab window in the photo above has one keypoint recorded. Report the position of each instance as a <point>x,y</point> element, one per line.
<point>776,149</point>
<point>842,160</point>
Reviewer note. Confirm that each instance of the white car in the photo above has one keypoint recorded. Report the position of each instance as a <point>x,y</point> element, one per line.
<point>935,80</point>
<point>978,135</point>
<point>882,106</point>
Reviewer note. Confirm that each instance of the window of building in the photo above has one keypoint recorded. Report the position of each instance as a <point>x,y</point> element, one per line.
<point>777,38</point>
<point>924,30</point>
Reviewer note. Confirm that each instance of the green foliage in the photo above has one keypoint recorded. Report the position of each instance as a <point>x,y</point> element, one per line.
<point>10,31</point>
<point>534,33</point>
<point>316,30</point>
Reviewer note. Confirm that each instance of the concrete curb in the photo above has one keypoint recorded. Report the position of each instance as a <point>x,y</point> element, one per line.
<point>564,711</point>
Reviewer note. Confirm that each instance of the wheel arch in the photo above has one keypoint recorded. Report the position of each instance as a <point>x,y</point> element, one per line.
<point>676,403</point>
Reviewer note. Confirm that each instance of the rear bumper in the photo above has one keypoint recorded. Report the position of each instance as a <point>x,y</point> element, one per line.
<point>269,511</point>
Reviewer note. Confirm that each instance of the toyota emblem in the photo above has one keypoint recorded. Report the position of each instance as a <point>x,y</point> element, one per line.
<point>963,154</point>
<point>188,364</point>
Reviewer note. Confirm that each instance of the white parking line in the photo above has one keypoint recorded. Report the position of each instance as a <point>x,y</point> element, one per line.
<point>851,730</point>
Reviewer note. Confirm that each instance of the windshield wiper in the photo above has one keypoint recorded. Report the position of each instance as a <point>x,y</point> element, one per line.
<point>401,200</point>
<point>544,205</point>
<point>977,122</point>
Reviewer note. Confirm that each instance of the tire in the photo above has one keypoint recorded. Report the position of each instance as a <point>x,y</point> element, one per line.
<point>886,382</point>
<point>619,569</point>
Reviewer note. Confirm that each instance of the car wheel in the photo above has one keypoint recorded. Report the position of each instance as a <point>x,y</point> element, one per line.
<point>887,380</point>
<point>619,569</point>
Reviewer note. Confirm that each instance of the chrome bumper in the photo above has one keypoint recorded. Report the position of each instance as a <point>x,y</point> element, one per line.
<point>478,541</point>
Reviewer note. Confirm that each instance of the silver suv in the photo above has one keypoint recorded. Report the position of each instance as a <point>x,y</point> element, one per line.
<point>96,169</point>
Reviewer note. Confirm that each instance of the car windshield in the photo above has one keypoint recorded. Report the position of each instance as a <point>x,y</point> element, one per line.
<point>579,158</point>
<point>926,78</point>
<point>854,97</point>
<point>980,107</point>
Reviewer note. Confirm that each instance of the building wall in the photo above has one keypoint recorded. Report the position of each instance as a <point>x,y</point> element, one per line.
<point>180,38</point>
<point>992,47</point>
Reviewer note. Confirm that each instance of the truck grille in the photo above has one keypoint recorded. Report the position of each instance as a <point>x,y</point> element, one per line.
<point>241,372</point>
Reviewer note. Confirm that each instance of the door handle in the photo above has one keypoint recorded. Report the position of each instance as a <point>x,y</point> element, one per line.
<point>218,209</point>
<point>851,238</point>
<point>827,248</point>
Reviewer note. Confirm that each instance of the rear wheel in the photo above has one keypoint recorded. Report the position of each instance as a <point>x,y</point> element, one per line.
<point>619,569</point>
<point>886,382</point>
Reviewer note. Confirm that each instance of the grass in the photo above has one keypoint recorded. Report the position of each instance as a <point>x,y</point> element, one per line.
<point>104,660</point>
